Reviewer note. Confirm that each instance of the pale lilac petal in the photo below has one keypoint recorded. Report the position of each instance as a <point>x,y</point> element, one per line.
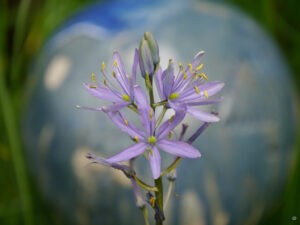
<point>206,102</point>
<point>115,107</point>
<point>128,153</point>
<point>191,95</point>
<point>179,148</point>
<point>155,162</point>
<point>176,105</point>
<point>118,119</point>
<point>135,65</point>
<point>144,109</point>
<point>103,93</point>
<point>121,77</point>
<point>168,80</point>
<point>125,169</point>
<point>159,84</point>
<point>166,127</point>
<point>89,108</point>
<point>202,115</point>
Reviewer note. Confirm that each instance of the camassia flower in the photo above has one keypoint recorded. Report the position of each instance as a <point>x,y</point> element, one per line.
<point>188,89</point>
<point>149,140</point>
<point>109,90</point>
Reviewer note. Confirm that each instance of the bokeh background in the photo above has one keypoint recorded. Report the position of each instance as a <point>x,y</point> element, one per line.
<point>26,25</point>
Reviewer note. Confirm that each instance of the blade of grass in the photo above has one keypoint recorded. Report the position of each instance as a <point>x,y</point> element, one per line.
<point>12,132</point>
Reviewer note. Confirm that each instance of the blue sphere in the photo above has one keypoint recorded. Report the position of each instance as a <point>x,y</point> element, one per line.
<point>245,157</point>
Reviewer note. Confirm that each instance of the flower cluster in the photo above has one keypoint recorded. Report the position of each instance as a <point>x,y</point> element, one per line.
<point>181,92</point>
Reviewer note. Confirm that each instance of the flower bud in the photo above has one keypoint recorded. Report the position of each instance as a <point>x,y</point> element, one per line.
<point>153,47</point>
<point>146,62</point>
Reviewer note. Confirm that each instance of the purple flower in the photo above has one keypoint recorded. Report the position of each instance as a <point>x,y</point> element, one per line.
<point>149,139</point>
<point>110,89</point>
<point>188,89</point>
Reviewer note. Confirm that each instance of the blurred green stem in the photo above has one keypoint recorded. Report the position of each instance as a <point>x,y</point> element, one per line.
<point>12,133</point>
<point>159,195</point>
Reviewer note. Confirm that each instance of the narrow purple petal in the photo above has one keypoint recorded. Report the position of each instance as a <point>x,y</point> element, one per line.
<point>180,82</point>
<point>121,73</point>
<point>202,115</point>
<point>166,127</point>
<point>155,162</point>
<point>159,84</point>
<point>118,119</point>
<point>89,108</point>
<point>115,107</point>
<point>198,132</point>
<point>212,88</point>
<point>206,102</point>
<point>179,148</point>
<point>168,80</point>
<point>128,153</point>
<point>144,109</point>
<point>176,105</point>
<point>96,159</point>
<point>103,93</point>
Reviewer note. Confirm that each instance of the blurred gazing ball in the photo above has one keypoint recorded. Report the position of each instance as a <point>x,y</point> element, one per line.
<point>246,156</point>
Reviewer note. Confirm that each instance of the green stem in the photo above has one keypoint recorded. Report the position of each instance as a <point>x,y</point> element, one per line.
<point>159,103</point>
<point>170,188</point>
<point>145,215</point>
<point>161,116</point>
<point>159,195</point>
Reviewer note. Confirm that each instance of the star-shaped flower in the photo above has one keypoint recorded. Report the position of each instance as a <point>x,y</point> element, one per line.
<point>110,89</point>
<point>148,139</point>
<point>188,89</point>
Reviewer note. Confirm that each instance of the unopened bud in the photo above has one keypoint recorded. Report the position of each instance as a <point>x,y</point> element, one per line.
<point>146,62</point>
<point>153,47</point>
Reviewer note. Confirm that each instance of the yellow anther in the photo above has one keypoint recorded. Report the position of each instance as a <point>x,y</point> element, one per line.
<point>104,81</point>
<point>203,75</point>
<point>206,94</point>
<point>103,66</point>
<point>151,140</point>
<point>93,77</point>
<point>171,119</point>
<point>173,95</point>
<point>197,90</point>
<point>150,150</point>
<point>136,139</point>
<point>191,67</point>
<point>152,201</point>
<point>151,114</point>
<point>126,122</point>
<point>184,76</point>
<point>115,63</point>
<point>180,66</point>
<point>199,67</point>
<point>92,86</point>
<point>126,98</point>
<point>114,74</point>
<point>170,135</point>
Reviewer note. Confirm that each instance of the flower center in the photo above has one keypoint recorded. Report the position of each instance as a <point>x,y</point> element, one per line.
<point>173,95</point>
<point>151,140</point>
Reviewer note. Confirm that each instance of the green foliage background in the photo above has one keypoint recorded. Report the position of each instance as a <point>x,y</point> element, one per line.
<point>25,25</point>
